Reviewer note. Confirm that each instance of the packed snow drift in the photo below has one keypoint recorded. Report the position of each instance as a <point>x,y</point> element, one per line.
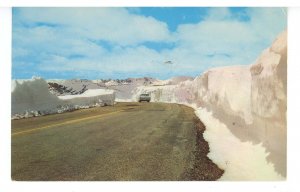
<point>250,101</point>
<point>240,160</point>
<point>33,98</point>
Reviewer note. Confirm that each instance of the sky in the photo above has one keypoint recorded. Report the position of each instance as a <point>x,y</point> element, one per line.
<point>117,43</point>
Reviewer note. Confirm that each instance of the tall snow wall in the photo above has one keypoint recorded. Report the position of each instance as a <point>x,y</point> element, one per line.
<point>32,98</point>
<point>250,100</point>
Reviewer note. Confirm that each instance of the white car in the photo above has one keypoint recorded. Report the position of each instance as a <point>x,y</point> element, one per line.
<point>144,97</point>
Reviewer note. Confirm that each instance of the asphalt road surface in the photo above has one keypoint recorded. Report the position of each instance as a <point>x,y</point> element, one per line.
<point>128,141</point>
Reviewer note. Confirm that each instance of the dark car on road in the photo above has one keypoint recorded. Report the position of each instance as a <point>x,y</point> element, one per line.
<point>144,97</point>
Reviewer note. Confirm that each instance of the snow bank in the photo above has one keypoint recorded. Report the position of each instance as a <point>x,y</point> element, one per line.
<point>163,93</point>
<point>249,101</point>
<point>240,160</point>
<point>228,88</point>
<point>91,97</point>
<point>252,101</point>
<point>123,100</point>
<point>172,81</point>
<point>32,98</point>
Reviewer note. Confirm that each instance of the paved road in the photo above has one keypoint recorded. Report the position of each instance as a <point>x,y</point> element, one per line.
<point>129,141</point>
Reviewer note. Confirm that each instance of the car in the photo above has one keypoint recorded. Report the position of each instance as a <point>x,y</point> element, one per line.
<point>145,97</point>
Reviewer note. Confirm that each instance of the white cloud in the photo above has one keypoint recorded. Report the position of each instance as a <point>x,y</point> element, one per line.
<point>220,39</point>
<point>219,13</point>
<point>111,24</point>
<point>223,34</point>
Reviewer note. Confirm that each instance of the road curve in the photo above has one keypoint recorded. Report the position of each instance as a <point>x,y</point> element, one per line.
<point>128,141</point>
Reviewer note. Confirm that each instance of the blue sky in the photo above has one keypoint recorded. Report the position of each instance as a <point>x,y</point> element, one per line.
<point>95,43</point>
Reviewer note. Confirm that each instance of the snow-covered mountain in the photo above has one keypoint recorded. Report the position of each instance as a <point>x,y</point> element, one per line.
<point>123,87</point>
<point>73,86</point>
<point>172,81</point>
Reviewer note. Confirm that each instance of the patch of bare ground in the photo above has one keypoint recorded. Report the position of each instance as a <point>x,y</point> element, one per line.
<point>202,169</point>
